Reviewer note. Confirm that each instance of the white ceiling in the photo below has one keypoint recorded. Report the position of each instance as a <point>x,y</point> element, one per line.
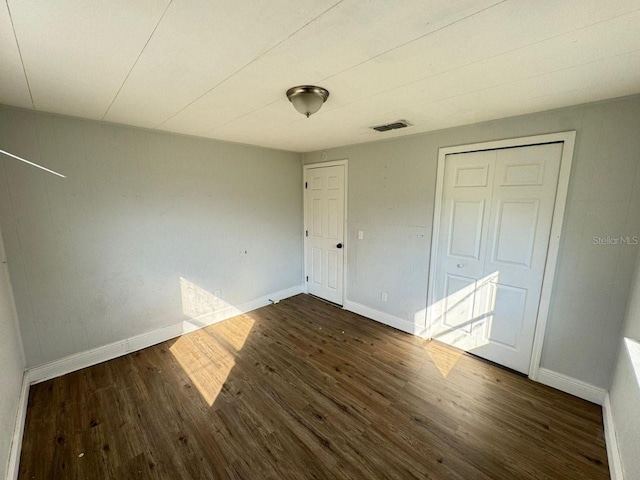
<point>219,69</point>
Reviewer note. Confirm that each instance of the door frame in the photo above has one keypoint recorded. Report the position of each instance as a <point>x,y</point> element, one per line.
<point>568,140</point>
<point>345,243</point>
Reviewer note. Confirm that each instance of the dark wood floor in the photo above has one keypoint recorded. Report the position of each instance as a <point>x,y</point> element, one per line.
<point>303,389</point>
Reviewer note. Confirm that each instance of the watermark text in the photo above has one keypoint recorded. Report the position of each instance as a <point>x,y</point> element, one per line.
<point>621,240</point>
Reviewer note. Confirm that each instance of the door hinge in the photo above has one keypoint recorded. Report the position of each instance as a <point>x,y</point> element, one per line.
<point>306,233</point>
<point>307,278</point>
<point>306,184</point>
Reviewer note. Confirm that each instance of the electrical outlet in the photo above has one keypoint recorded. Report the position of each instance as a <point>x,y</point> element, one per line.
<point>383,296</point>
<point>360,234</point>
<point>217,294</point>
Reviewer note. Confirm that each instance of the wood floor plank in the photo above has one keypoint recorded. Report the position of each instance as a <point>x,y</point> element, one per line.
<point>303,389</point>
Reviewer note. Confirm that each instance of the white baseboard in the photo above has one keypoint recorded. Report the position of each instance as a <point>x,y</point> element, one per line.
<point>18,430</point>
<point>382,317</point>
<point>613,454</point>
<point>101,354</point>
<point>571,385</point>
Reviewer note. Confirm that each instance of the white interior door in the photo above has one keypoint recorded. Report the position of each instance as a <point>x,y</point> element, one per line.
<point>495,223</point>
<point>324,224</point>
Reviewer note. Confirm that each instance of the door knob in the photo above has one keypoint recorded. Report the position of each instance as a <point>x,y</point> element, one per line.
<point>339,245</point>
<point>460,265</point>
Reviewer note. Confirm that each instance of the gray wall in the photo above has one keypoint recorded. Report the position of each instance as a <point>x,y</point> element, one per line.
<point>11,364</point>
<point>97,257</point>
<point>391,198</point>
<point>625,391</point>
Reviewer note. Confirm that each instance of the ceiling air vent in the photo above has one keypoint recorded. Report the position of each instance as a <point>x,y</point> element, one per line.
<point>391,126</point>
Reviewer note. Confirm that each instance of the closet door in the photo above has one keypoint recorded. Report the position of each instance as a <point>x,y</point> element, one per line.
<point>495,219</point>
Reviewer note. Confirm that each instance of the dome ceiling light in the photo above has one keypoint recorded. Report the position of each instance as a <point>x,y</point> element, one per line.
<point>307,99</point>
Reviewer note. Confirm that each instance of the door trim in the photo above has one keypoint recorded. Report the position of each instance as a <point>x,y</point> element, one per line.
<point>345,242</point>
<point>568,140</point>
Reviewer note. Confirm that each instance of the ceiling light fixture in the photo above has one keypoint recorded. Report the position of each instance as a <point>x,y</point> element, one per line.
<point>307,99</point>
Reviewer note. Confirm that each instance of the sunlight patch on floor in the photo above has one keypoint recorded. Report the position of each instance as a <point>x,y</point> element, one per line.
<point>234,331</point>
<point>443,357</point>
<point>209,375</point>
<point>207,355</point>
